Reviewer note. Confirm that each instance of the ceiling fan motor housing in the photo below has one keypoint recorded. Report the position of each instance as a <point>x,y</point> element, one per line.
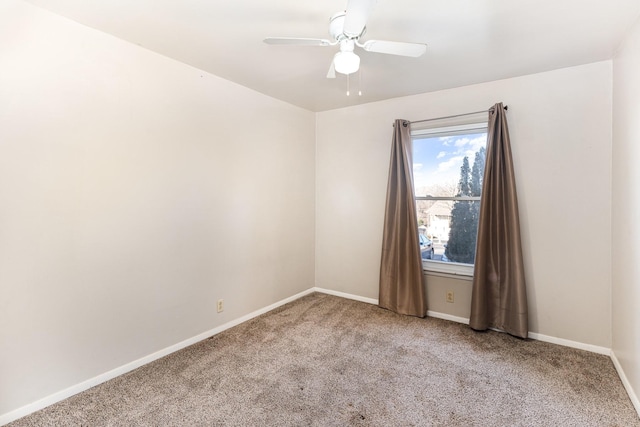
<point>336,28</point>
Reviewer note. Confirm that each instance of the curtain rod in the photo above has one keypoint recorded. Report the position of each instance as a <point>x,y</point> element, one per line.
<point>506,107</point>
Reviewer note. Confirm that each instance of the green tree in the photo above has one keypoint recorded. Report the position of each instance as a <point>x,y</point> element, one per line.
<point>477,177</point>
<point>477,173</point>
<point>464,215</point>
<point>461,244</point>
<point>464,185</point>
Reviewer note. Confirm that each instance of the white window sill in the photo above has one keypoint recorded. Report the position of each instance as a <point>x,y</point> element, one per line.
<point>448,268</point>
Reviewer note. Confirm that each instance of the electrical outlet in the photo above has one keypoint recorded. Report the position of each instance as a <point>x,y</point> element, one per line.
<point>220,305</point>
<point>449,296</point>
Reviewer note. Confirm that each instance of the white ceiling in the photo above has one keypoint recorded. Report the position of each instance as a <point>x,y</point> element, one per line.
<point>469,41</point>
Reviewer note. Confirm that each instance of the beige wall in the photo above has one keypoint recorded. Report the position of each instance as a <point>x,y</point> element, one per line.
<point>626,211</point>
<point>439,285</point>
<point>560,124</point>
<point>136,191</point>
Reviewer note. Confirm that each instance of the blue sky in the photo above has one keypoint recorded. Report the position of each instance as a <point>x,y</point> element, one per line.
<point>438,160</point>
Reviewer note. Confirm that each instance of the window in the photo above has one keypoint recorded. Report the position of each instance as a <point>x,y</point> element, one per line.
<point>448,168</point>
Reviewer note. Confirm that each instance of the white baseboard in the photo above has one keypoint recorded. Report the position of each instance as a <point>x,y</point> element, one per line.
<point>375,302</point>
<point>568,343</point>
<point>347,296</point>
<point>533,335</point>
<point>445,316</point>
<point>625,381</point>
<point>85,385</point>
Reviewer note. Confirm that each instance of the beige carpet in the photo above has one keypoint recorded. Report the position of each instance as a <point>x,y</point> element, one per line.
<point>327,361</point>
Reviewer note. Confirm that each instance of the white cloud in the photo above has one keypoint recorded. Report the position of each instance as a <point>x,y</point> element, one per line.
<point>469,147</point>
<point>462,142</point>
<point>417,166</point>
<point>420,179</point>
<point>474,146</point>
<point>441,154</point>
<point>452,162</point>
<point>446,140</point>
<point>477,143</point>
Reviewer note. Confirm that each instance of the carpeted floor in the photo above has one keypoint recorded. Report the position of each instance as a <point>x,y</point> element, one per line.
<point>328,361</point>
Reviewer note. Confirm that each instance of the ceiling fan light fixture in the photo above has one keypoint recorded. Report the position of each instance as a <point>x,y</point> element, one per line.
<point>346,62</point>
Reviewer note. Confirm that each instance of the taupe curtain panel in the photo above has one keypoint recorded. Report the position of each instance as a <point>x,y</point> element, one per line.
<point>499,297</point>
<point>401,280</point>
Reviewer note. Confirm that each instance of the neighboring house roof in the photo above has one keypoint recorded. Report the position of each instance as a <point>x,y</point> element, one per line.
<point>440,207</point>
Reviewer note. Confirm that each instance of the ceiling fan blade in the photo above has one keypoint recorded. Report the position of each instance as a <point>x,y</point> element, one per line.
<point>356,16</point>
<point>297,41</point>
<point>395,48</point>
<point>332,71</point>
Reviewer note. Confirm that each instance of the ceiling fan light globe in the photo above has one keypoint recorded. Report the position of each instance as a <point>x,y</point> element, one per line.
<point>346,62</point>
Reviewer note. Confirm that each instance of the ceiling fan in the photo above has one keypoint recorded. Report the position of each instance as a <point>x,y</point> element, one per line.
<point>346,28</point>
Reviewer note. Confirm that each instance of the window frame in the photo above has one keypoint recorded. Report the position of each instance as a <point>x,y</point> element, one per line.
<point>460,125</point>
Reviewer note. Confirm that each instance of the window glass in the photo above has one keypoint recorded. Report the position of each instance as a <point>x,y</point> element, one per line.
<point>448,168</point>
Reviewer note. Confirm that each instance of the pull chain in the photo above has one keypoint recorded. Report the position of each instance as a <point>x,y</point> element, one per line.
<point>359,83</point>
